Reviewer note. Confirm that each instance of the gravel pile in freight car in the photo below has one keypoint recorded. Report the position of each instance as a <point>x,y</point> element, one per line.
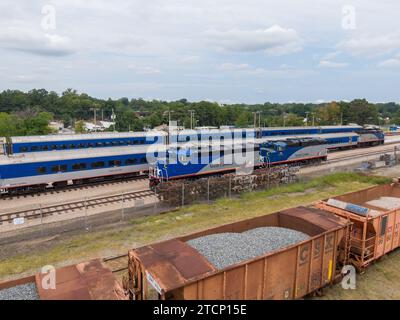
<point>22,292</point>
<point>388,203</point>
<point>225,249</point>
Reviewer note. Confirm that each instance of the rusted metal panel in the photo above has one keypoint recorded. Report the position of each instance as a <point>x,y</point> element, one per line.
<point>288,273</point>
<point>281,275</point>
<point>373,236</point>
<point>396,234</point>
<point>303,270</point>
<point>171,263</point>
<point>90,280</point>
<point>17,282</point>
<point>255,280</point>
<point>315,280</point>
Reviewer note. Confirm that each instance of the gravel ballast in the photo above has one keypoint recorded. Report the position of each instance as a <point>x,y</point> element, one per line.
<point>225,249</point>
<point>22,292</point>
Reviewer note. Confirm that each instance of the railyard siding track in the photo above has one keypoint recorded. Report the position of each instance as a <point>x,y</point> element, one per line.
<point>73,187</point>
<point>63,208</point>
<point>361,155</point>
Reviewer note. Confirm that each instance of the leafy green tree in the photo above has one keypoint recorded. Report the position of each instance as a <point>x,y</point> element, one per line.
<point>80,126</point>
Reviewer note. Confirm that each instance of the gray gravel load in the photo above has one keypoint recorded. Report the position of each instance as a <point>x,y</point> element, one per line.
<point>225,249</point>
<point>22,292</point>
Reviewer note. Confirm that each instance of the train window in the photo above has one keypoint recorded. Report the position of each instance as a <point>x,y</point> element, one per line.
<point>63,146</point>
<point>143,160</point>
<point>80,146</point>
<point>115,143</point>
<point>98,164</point>
<point>41,170</point>
<point>99,144</point>
<point>53,147</point>
<point>82,166</point>
<point>114,163</point>
<point>23,149</point>
<point>59,168</point>
<point>117,163</point>
<point>90,145</point>
<point>34,148</point>
<point>122,143</point>
<point>76,166</point>
<point>130,161</point>
<point>107,143</point>
<point>45,148</point>
<point>129,142</point>
<point>72,146</point>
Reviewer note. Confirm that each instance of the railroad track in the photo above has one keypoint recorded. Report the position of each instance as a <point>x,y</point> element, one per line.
<point>361,155</point>
<point>63,208</point>
<point>97,184</point>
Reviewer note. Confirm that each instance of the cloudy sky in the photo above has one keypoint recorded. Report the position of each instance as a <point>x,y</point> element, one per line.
<point>220,50</point>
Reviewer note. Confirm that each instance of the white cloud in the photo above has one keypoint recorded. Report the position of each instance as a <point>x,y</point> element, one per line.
<point>393,62</point>
<point>190,59</point>
<point>371,46</point>
<point>35,42</point>
<point>273,40</point>
<point>242,67</point>
<point>144,70</point>
<point>332,64</point>
<point>25,78</point>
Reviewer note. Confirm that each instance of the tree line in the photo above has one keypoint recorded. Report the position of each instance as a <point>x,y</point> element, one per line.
<point>28,113</point>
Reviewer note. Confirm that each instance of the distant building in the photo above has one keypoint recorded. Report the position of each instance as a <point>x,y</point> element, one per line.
<point>99,126</point>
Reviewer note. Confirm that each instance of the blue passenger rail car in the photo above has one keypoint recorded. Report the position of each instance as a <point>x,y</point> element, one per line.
<point>29,144</point>
<point>333,140</point>
<point>293,131</point>
<point>39,171</point>
<point>195,162</point>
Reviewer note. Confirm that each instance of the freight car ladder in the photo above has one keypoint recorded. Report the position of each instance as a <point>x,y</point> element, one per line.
<point>347,245</point>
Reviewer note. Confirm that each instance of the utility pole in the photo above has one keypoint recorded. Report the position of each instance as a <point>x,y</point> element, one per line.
<point>307,113</point>
<point>191,118</point>
<point>284,119</point>
<point>113,118</point>
<point>94,118</point>
<point>313,118</point>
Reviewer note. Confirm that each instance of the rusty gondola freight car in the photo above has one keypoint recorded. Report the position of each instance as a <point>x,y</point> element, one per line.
<point>175,269</point>
<point>375,213</point>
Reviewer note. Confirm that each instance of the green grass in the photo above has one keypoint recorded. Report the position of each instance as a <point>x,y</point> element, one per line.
<point>379,282</point>
<point>145,230</point>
